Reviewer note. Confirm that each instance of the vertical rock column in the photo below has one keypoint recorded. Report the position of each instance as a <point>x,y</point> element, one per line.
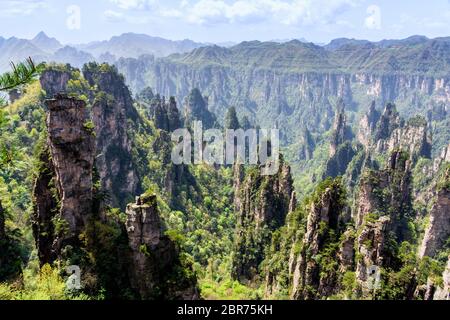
<point>154,259</point>
<point>72,147</point>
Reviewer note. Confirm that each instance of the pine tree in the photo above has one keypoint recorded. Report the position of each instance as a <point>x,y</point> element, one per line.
<point>231,120</point>
<point>20,74</point>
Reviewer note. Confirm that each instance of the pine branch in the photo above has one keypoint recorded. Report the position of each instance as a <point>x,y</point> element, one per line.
<point>21,74</point>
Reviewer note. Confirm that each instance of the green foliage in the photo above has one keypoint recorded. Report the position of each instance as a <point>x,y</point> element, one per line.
<point>231,119</point>
<point>21,74</point>
<point>43,284</point>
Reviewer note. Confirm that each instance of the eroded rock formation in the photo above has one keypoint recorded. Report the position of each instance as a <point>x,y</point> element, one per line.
<point>72,148</point>
<point>261,204</point>
<point>113,115</point>
<point>438,229</point>
<point>308,279</point>
<point>156,270</point>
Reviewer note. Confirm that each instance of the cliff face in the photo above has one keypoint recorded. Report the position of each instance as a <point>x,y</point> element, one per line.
<point>164,114</point>
<point>261,204</point>
<point>383,133</point>
<point>72,149</point>
<point>113,114</point>
<point>443,292</point>
<point>46,206</point>
<point>282,93</point>
<point>367,125</point>
<point>384,204</point>
<point>309,278</point>
<point>341,132</point>
<point>386,192</point>
<point>155,271</point>
<point>54,81</point>
<point>196,109</point>
<point>341,149</point>
<point>307,145</point>
<point>71,221</point>
<point>2,223</point>
<point>10,262</point>
<point>438,229</point>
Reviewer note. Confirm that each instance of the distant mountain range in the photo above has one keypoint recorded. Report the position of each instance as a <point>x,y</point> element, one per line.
<point>127,45</point>
<point>340,54</point>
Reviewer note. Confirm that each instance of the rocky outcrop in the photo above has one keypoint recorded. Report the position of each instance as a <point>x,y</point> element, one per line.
<point>307,145</point>
<point>392,132</point>
<point>54,80</point>
<point>438,229</point>
<point>443,292</point>
<point>146,95</point>
<point>2,223</point>
<point>45,207</point>
<point>261,205</point>
<point>387,191</point>
<point>412,138</point>
<point>155,271</point>
<point>10,252</point>
<point>309,280</point>
<point>164,114</point>
<point>341,132</point>
<point>72,148</point>
<point>346,253</point>
<point>388,122</point>
<point>113,115</point>
<point>370,246</point>
<point>367,125</point>
<point>196,109</point>
<point>341,148</point>
<point>383,204</point>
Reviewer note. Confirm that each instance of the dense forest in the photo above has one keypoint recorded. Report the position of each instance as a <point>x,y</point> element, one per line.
<point>358,209</point>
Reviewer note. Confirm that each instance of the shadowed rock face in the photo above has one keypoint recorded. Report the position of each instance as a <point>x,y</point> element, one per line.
<point>154,257</point>
<point>164,114</point>
<point>54,81</point>
<point>10,263</point>
<point>113,115</point>
<point>443,293</point>
<point>438,230</point>
<point>367,125</point>
<point>45,206</point>
<point>196,109</point>
<point>261,204</point>
<point>2,222</point>
<point>323,215</point>
<point>72,148</point>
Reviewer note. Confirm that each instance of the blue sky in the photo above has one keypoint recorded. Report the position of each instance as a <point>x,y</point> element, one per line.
<point>73,21</point>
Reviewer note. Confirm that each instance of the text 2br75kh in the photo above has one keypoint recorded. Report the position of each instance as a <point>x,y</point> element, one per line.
<point>226,309</point>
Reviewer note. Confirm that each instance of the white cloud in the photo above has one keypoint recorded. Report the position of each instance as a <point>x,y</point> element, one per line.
<point>296,12</point>
<point>10,8</point>
<point>406,22</point>
<point>134,4</point>
<point>288,12</point>
<point>113,16</point>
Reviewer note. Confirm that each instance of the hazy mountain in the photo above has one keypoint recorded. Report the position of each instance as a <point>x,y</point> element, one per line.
<point>341,42</point>
<point>72,56</point>
<point>128,45</point>
<point>134,45</point>
<point>14,49</point>
<point>45,43</point>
